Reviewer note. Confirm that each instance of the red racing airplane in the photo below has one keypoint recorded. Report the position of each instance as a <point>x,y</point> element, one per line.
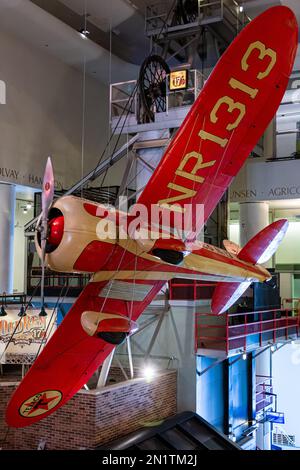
<point>230,114</point>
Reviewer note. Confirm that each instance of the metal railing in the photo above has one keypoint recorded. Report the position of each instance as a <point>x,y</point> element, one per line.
<point>17,298</point>
<point>54,282</point>
<point>241,332</point>
<point>124,101</point>
<point>187,289</point>
<point>157,16</point>
<point>263,392</point>
<point>281,437</point>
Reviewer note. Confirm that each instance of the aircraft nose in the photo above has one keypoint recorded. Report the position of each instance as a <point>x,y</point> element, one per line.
<point>56,231</point>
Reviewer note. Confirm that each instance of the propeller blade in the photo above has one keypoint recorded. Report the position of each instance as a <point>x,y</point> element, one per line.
<point>47,199</point>
<point>48,188</point>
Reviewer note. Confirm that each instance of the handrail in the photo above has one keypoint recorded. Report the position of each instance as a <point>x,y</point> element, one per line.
<point>283,432</point>
<point>189,284</point>
<point>235,337</point>
<point>245,313</point>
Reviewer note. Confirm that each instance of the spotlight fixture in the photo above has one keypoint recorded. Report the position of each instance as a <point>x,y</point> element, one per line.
<point>3,312</point>
<point>244,356</point>
<point>22,312</point>
<point>84,33</point>
<point>273,348</point>
<point>241,8</point>
<point>25,210</point>
<point>43,312</point>
<point>28,205</point>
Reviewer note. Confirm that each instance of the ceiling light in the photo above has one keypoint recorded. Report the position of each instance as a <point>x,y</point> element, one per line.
<point>241,8</point>
<point>28,205</point>
<point>25,210</point>
<point>244,356</point>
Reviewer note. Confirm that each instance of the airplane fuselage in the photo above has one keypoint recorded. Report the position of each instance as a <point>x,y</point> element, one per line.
<point>81,247</point>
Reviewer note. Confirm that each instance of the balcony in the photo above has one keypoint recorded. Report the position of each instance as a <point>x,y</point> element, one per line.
<point>236,333</point>
<point>126,111</point>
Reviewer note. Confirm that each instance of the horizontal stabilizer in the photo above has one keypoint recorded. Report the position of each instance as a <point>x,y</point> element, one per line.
<point>226,294</point>
<point>257,251</point>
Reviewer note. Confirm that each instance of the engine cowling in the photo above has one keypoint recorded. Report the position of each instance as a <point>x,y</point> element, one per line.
<point>72,241</point>
<point>111,327</point>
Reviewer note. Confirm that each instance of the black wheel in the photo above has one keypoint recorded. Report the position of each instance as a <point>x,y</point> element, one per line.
<point>112,337</point>
<point>169,256</point>
<point>153,86</point>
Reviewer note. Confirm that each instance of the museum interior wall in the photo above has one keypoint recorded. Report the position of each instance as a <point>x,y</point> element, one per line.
<point>49,109</point>
<point>44,114</point>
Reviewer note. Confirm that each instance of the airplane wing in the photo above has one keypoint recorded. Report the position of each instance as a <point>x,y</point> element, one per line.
<point>71,356</point>
<point>227,119</point>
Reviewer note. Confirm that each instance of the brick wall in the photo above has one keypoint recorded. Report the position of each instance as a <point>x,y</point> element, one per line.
<point>94,417</point>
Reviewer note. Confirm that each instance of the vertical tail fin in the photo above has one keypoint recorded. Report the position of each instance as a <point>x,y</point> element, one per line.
<point>257,251</point>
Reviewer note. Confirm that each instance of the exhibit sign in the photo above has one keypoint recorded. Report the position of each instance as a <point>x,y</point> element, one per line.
<point>30,333</point>
<point>178,80</point>
<point>25,177</point>
<point>266,181</point>
<point>275,417</point>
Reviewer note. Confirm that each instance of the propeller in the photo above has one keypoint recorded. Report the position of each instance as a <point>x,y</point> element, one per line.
<point>47,199</point>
